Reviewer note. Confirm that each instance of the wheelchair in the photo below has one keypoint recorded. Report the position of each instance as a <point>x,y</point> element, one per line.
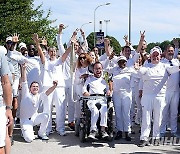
<point>82,125</point>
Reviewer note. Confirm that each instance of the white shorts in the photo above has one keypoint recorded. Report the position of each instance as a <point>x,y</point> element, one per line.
<point>3,121</point>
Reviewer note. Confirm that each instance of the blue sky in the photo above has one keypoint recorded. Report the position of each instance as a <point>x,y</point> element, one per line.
<point>159,18</point>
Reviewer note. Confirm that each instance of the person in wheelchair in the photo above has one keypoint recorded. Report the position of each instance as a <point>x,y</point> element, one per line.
<point>96,85</point>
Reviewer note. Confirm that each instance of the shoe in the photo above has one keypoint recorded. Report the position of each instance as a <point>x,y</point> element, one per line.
<point>104,134</point>
<point>51,132</point>
<point>118,135</point>
<point>71,125</point>
<point>62,133</point>
<point>127,136</point>
<point>12,140</point>
<point>92,134</point>
<point>43,137</point>
<point>156,142</point>
<point>143,143</point>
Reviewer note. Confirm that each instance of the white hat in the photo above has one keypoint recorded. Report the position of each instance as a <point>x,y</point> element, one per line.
<point>22,45</point>
<point>9,38</point>
<point>3,50</point>
<point>121,58</point>
<point>157,49</point>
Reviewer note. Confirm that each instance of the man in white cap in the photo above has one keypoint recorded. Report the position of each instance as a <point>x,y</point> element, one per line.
<point>154,75</point>
<point>170,111</point>
<point>122,96</point>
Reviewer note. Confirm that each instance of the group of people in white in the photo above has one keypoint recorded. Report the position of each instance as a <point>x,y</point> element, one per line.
<point>144,86</point>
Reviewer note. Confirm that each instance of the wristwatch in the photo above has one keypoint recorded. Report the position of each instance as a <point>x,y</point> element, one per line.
<point>9,107</point>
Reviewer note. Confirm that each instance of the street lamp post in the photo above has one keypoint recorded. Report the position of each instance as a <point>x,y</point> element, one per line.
<point>95,20</point>
<point>106,21</point>
<point>129,20</point>
<point>86,23</point>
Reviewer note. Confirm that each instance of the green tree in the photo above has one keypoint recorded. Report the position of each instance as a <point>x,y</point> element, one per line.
<point>164,44</point>
<point>152,45</point>
<point>20,16</point>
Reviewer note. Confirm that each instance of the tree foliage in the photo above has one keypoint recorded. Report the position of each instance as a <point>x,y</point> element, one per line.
<point>19,16</point>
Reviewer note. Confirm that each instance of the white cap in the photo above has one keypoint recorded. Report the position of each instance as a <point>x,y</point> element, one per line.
<point>9,38</point>
<point>21,45</point>
<point>121,58</point>
<point>156,49</point>
<point>3,50</point>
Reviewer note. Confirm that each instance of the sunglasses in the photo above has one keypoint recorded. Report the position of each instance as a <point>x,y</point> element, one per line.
<point>80,58</point>
<point>9,42</point>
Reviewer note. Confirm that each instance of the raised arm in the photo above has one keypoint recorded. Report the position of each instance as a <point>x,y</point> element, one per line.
<point>85,44</point>
<point>176,44</point>
<point>51,89</point>
<point>40,52</point>
<point>142,36</point>
<point>23,72</point>
<point>61,49</point>
<point>107,46</point>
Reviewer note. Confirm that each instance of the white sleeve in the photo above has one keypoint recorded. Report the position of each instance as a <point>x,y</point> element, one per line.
<point>135,57</point>
<point>84,89</point>
<point>25,90</point>
<point>19,58</point>
<point>176,52</point>
<point>106,66</point>
<point>172,69</point>
<point>61,49</point>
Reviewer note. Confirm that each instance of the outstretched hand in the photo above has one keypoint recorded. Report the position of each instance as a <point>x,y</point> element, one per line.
<point>142,35</point>
<point>36,38</point>
<point>15,38</point>
<point>176,42</point>
<point>43,41</point>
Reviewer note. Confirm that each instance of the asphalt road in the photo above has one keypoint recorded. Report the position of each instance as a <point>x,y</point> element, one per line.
<point>71,144</point>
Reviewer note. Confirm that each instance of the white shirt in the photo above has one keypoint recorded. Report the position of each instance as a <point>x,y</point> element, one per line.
<point>154,77</point>
<point>29,102</point>
<point>96,85</point>
<point>122,79</point>
<point>51,71</point>
<point>173,80</point>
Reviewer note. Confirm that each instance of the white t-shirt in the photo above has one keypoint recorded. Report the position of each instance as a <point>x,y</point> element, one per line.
<point>51,71</point>
<point>29,102</point>
<point>96,85</point>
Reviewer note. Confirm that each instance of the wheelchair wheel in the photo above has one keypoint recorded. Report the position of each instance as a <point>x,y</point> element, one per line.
<point>82,135</point>
<point>77,128</point>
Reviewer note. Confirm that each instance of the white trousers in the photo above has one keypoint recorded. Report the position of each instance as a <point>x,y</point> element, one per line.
<point>95,113</point>
<point>3,121</point>
<point>122,104</point>
<point>78,94</point>
<point>57,97</point>
<point>27,126</point>
<point>170,111</point>
<point>69,103</point>
<point>151,104</point>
